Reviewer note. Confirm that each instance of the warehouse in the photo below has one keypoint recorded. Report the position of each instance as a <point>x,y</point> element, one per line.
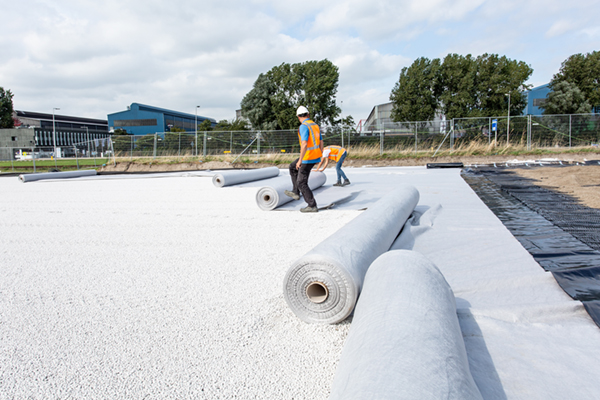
<point>140,119</point>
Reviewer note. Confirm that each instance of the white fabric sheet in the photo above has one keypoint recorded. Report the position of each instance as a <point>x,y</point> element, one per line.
<point>339,263</point>
<point>235,177</point>
<point>270,197</point>
<point>56,175</point>
<point>405,341</point>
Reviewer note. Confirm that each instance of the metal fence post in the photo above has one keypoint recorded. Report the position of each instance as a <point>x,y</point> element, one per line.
<point>204,145</point>
<point>452,136</point>
<point>131,149</point>
<point>154,145</point>
<point>381,143</point>
<point>416,138</point>
<point>258,145</point>
<point>33,157</point>
<point>76,159</point>
<point>569,130</point>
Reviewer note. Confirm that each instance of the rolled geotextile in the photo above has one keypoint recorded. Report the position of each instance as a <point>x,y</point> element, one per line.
<point>56,175</point>
<point>323,285</point>
<point>405,341</point>
<point>270,197</point>
<point>234,177</point>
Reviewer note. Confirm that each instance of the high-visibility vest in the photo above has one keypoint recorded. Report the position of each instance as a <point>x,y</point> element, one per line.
<point>335,152</point>
<point>313,152</point>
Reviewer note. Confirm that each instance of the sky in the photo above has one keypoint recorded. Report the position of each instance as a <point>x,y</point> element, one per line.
<point>93,58</point>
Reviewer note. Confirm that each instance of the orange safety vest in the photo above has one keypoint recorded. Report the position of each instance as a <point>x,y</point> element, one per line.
<point>313,152</point>
<point>335,152</point>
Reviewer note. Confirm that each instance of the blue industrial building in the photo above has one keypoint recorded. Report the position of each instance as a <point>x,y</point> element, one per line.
<point>140,119</point>
<point>536,98</point>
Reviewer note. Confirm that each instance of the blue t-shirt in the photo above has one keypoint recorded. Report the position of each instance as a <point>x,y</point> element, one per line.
<point>304,136</point>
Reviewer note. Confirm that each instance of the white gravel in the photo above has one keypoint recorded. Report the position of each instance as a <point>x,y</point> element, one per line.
<point>155,288</point>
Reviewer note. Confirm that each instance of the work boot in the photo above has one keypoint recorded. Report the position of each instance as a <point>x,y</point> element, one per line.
<point>346,182</point>
<point>338,183</point>
<point>292,194</point>
<point>309,209</point>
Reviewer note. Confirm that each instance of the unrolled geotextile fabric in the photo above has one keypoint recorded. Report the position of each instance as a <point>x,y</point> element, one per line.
<point>323,285</point>
<point>234,177</point>
<point>405,340</point>
<point>272,196</point>
<point>56,175</point>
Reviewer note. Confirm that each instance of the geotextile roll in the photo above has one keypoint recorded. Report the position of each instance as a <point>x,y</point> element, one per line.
<point>405,341</point>
<point>272,196</point>
<point>234,177</point>
<point>56,175</point>
<point>323,285</point>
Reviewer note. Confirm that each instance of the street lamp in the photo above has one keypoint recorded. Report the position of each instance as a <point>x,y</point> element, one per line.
<point>197,107</point>
<point>54,130</point>
<point>508,123</point>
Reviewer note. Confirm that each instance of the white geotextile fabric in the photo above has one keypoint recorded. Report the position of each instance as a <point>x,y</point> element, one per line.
<point>56,175</point>
<point>107,293</point>
<point>405,341</point>
<point>340,262</point>
<point>235,177</point>
<point>272,196</point>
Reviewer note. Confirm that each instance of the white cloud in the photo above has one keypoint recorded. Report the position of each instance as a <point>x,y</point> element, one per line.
<point>94,58</point>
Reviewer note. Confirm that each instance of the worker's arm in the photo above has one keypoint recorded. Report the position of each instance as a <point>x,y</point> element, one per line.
<point>303,147</point>
<point>326,159</point>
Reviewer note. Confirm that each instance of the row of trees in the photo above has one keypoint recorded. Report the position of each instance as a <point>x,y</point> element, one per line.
<point>576,87</point>
<point>460,86</point>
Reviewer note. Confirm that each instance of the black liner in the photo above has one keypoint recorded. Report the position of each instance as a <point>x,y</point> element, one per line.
<point>445,165</point>
<point>560,233</point>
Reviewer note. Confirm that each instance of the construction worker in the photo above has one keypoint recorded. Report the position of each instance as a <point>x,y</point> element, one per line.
<point>337,154</point>
<point>311,150</point>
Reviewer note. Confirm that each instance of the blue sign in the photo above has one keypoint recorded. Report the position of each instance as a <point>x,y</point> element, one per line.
<point>494,125</point>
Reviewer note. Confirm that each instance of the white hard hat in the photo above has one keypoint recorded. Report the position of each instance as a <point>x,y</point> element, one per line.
<point>301,110</point>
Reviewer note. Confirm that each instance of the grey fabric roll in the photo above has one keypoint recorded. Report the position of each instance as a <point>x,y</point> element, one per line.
<point>405,341</point>
<point>56,175</point>
<point>270,197</point>
<point>323,285</point>
<point>234,177</point>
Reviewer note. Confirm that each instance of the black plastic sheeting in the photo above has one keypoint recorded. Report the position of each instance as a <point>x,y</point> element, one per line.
<point>445,165</point>
<point>561,234</point>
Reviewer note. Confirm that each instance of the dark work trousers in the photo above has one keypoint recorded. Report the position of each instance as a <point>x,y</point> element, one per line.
<point>300,181</point>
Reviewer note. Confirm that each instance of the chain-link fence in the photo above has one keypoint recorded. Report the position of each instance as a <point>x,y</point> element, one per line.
<point>420,136</point>
<point>87,154</point>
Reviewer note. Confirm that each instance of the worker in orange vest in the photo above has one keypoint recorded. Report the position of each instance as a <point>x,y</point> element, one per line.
<point>311,150</point>
<point>337,154</point>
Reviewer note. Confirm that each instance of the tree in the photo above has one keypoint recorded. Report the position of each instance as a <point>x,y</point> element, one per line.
<point>272,102</point>
<point>566,98</point>
<point>414,95</point>
<point>233,125</point>
<point>459,87</point>
<point>257,106</point>
<point>583,71</point>
<point>6,109</point>
<point>205,125</point>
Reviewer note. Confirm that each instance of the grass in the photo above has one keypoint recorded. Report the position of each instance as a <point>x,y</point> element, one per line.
<point>358,152</point>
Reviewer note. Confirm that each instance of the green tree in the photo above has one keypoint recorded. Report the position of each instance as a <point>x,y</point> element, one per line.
<point>272,102</point>
<point>497,77</point>
<point>233,125</point>
<point>583,70</point>
<point>566,98</point>
<point>414,95</point>
<point>120,132</point>
<point>257,106</point>
<point>205,125</point>
<point>459,87</point>
<point>6,109</point>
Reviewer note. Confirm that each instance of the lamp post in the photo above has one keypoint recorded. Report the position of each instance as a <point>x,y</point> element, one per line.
<point>197,107</point>
<point>508,122</point>
<point>54,131</point>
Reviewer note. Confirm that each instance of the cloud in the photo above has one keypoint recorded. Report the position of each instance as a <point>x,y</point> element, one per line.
<point>95,58</point>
